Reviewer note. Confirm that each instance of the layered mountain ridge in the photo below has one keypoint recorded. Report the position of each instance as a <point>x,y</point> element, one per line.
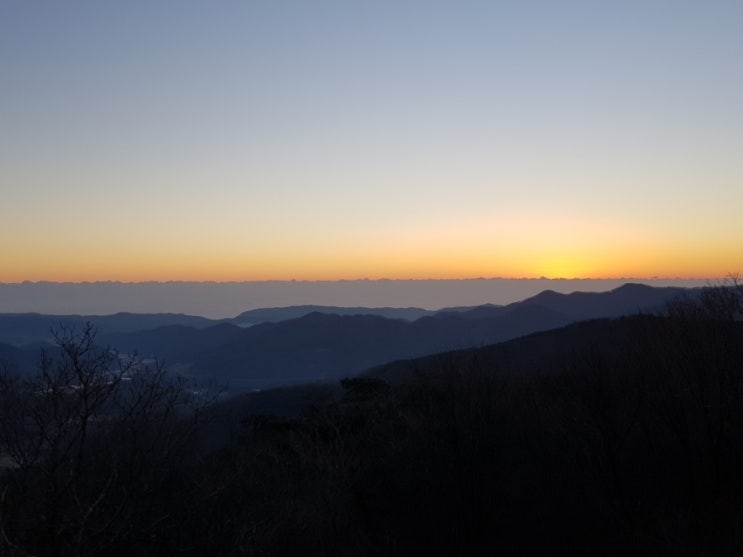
<point>318,343</point>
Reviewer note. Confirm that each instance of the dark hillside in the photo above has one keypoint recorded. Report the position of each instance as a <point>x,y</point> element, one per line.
<point>18,360</point>
<point>627,299</point>
<point>533,353</point>
<point>29,328</point>
<point>610,437</point>
<point>274,315</point>
<point>322,346</point>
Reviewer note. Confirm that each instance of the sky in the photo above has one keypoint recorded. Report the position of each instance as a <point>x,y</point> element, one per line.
<point>316,140</point>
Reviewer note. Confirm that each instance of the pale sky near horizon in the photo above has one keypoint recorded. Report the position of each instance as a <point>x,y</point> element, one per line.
<point>255,140</point>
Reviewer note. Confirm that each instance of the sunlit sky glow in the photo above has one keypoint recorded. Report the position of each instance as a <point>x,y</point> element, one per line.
<point>255,140</point>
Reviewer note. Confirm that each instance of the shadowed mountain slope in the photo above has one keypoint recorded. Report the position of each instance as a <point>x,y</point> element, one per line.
<point>14,359</point>
<point>274,315</point>
<point>322,346</point>
<point>535,352</point>
<point>29,328</point>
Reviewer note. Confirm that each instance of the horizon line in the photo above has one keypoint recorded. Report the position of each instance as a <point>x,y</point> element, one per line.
<point>366,279</point>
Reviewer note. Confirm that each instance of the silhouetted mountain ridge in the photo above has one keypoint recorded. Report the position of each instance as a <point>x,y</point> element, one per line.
<point>322,345</point>
<point>628,298</point>
<point>28,328</point>
<point>326,346</point>
<point>276,314</point>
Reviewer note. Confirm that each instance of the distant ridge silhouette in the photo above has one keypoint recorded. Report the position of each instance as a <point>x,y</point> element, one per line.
<point>327,343</point>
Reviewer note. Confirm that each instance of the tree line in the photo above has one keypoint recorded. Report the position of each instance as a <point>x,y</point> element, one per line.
<point>633,446</point>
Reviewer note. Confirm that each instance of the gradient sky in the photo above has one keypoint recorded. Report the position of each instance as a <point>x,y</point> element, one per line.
<point>252,140</point>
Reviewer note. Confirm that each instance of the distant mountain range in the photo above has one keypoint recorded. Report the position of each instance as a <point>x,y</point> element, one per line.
<point>274,315</point>
<point>279,346</point>
<point>29,328</point>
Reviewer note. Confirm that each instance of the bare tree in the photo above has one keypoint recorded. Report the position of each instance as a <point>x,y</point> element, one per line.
<point>89,442</point>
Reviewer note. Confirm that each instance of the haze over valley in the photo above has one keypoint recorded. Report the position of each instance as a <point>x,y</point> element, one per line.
<point>225,300</point>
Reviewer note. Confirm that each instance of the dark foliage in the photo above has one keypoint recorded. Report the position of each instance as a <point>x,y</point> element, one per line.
<point>625,442</point>
<point>97,454</point>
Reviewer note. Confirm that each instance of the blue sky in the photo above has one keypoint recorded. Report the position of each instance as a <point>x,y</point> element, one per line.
<point>260,140</point>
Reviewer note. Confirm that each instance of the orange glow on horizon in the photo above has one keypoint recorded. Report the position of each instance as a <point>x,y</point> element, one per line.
<point>514,248</point>
<point>413,267</point>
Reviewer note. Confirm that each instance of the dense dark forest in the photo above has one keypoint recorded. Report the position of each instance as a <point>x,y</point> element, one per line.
<point>611,437</point>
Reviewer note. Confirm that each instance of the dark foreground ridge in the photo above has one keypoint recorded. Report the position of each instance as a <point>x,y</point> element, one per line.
<point>609,437</point>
